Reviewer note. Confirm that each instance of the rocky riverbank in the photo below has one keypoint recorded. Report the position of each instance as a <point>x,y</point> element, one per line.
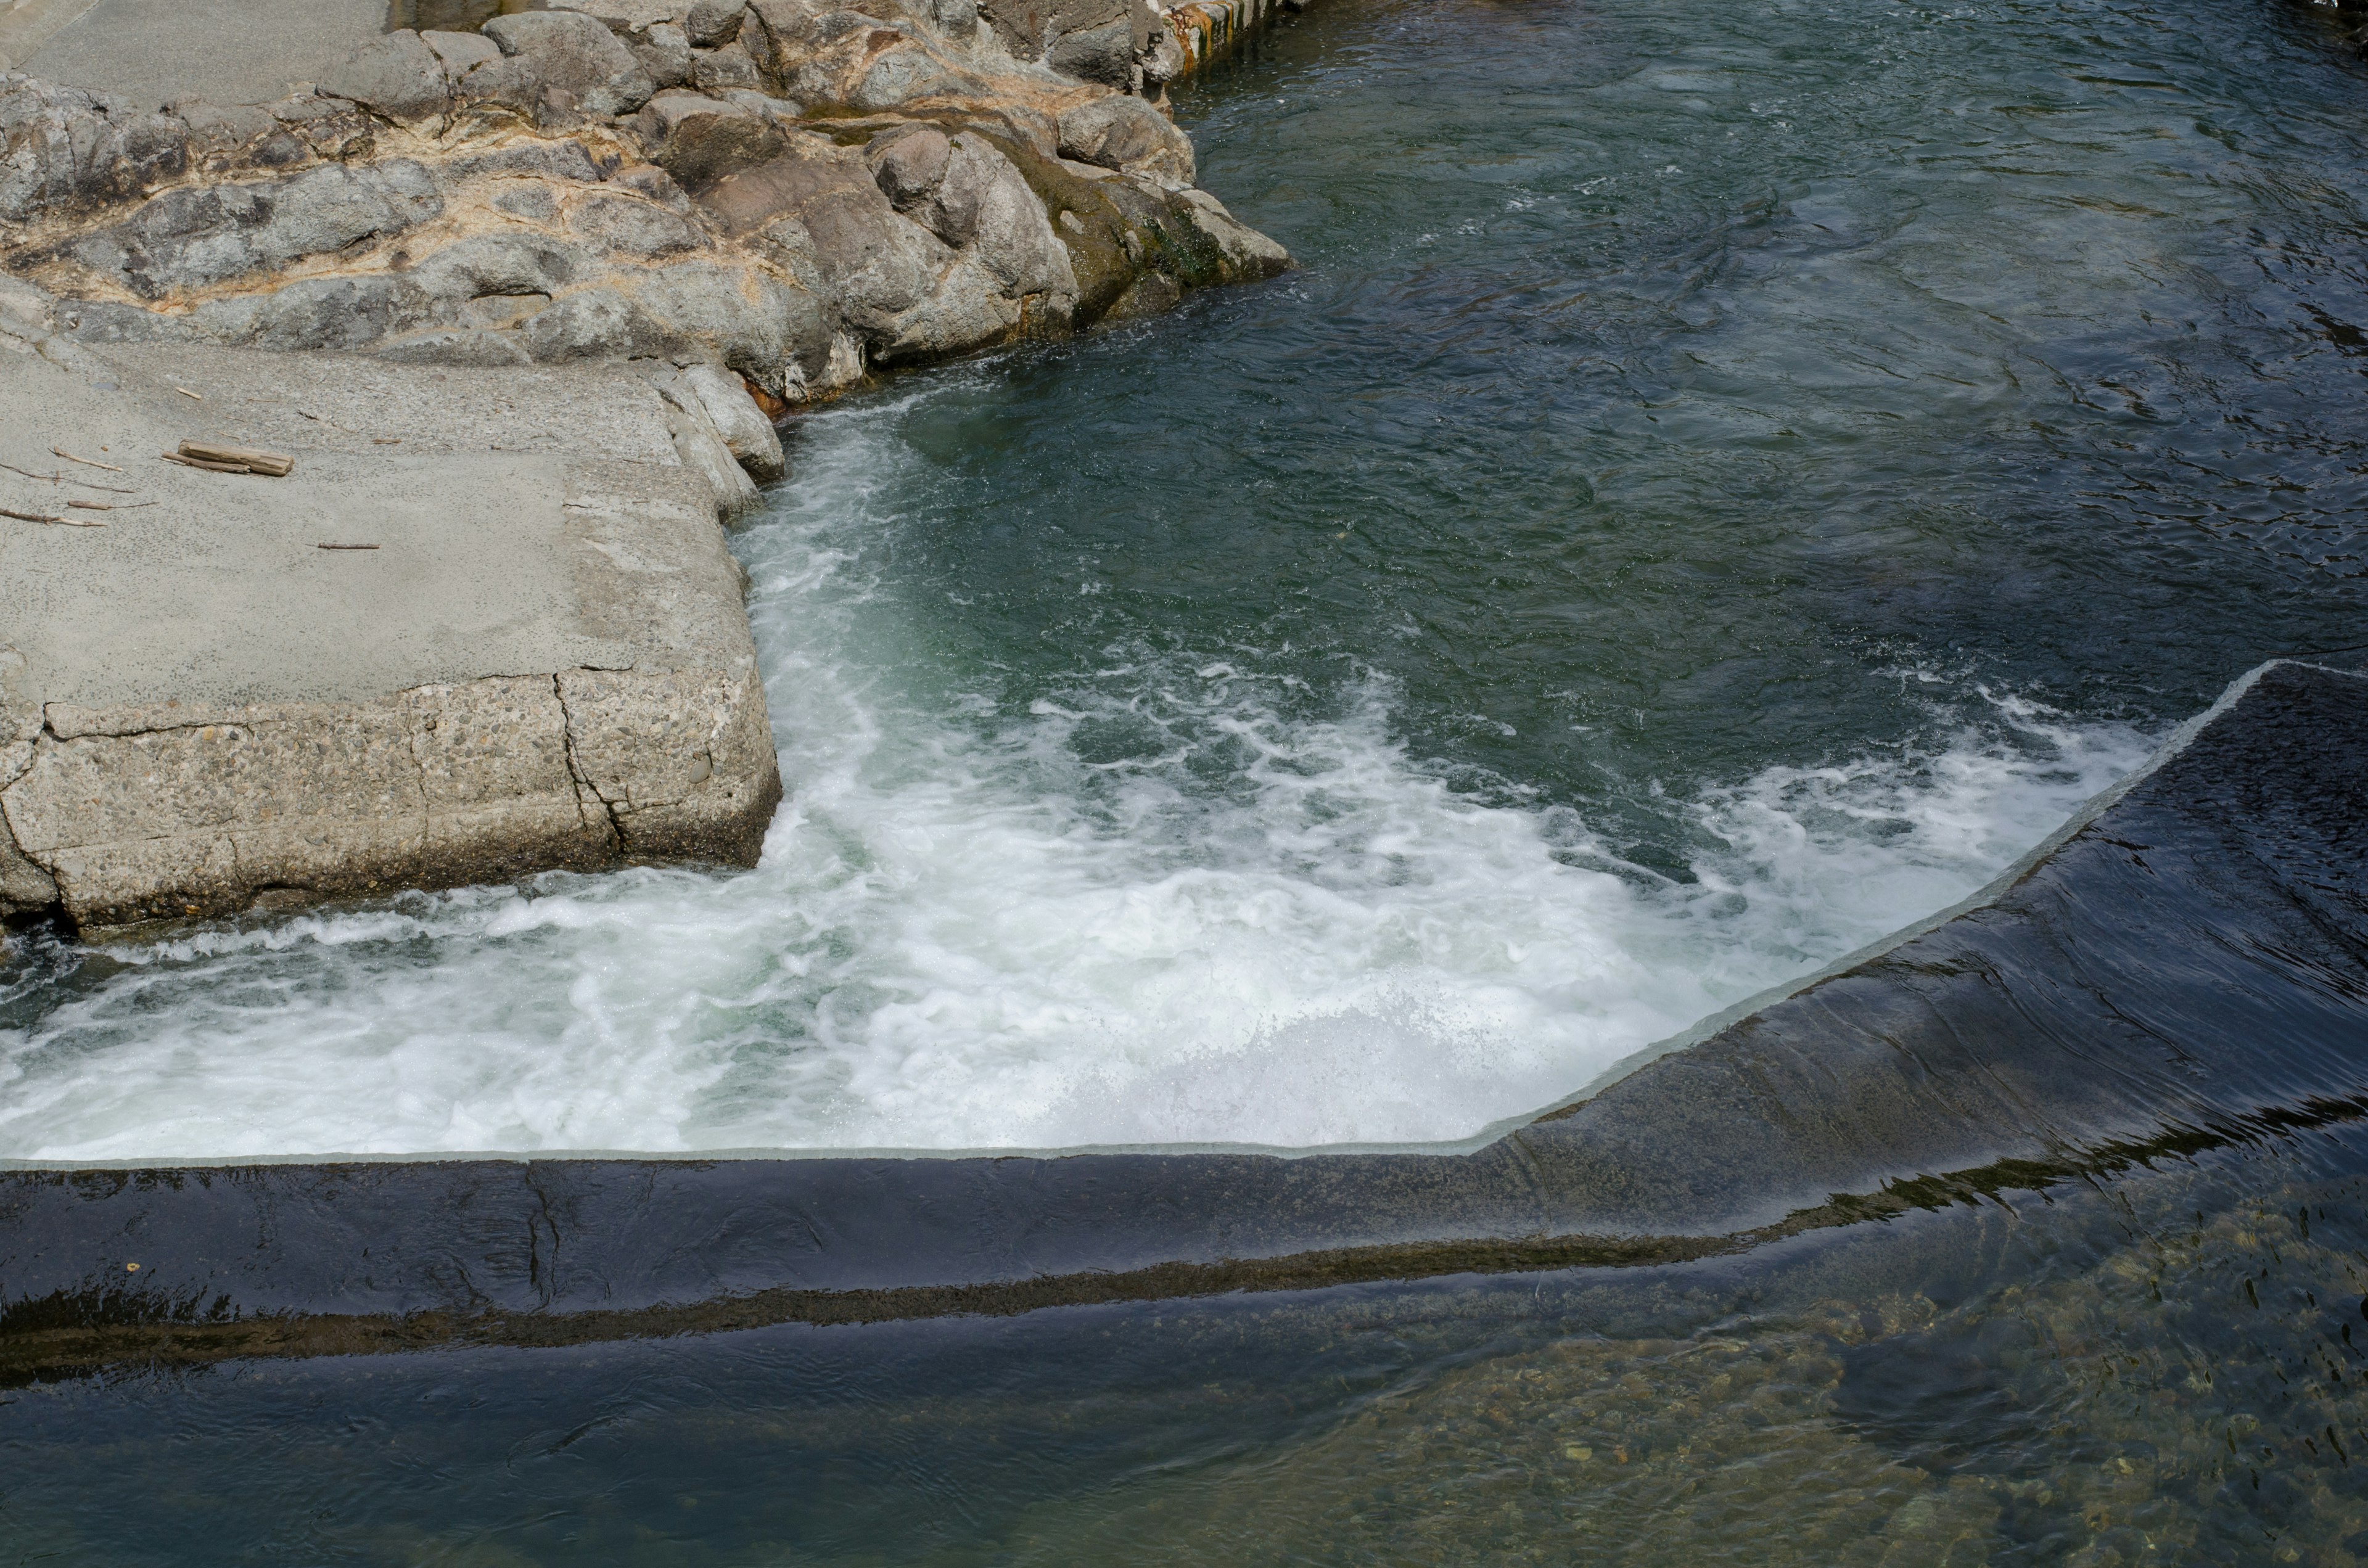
<point>523,304</point>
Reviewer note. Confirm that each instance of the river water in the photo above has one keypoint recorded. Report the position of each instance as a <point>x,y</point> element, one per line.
<point>1724,481</point>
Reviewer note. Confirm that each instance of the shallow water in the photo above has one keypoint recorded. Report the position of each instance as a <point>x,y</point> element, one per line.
<point>1724,483</point>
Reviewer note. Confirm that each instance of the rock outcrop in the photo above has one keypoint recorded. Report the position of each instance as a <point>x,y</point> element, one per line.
<point>781,188</point>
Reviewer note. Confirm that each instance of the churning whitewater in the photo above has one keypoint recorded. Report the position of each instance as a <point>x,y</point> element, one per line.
<point>973,926</point>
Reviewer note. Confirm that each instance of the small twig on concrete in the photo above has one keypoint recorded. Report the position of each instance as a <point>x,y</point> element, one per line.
<point>110,505</point>
<point>28,473</point>
<point>61,522</point>
<point>248,459</point>
<point>201,462</point>
<point>87,462</point>
<point>345,547</point>
<point>187,393</point>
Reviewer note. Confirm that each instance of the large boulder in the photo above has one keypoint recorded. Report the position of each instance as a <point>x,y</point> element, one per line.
<point>971,197</point>
<point>63,148</point>
<point>1121,132</point>
<point>851,59</point>
<point>698,140</point>
<point>578,55</point>
<point>747,435</point>
<point>1103,54</point>
<point>192,236</point>
<point>399,76</point>
<point>711,23</point>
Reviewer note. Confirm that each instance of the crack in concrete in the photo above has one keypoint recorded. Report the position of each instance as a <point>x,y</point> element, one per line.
<point>584,785</point>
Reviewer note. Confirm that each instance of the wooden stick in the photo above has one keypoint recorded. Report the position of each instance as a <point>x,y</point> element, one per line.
<point>345,547</point>
<point>28,473</point>
<point>87,462</point>
<point>110,505</point>
<point>93,484</point>
<point>64,522</point>
<point>276,464</point>
<point>187,393</point>
<point>201,462</point>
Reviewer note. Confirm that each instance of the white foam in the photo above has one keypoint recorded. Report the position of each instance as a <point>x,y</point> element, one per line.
<point>963,936</point>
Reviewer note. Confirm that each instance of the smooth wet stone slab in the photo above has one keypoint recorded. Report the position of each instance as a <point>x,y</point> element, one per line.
<point>540,661</point>
<point>2185,971</point>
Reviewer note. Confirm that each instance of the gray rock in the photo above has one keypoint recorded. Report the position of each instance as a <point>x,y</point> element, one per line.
<point>1027,27</point>
<point>1120,132</point>
<point>456,345</point>
<point>624,225</point>
<point>575,55</point>
<point>63,148</point>
<point>562,159</point>
<point>626,19</point>
<point>316,312</point>
<point>460,53</point>
<point>649,180</point>
<point>982,203</point>
<point>871,260</point>
<point>1248,252</point>
<point>746,317</point>
<point>748,434</point>
<point>217,133</point>
<point>698,140</point>
<point>701,445</point>
<point>596,324</point>
<point>398,76</point>
<point>714,23</point>
<point>536,202</point>
<point>665,53</point>
<point>511,264</point>
<point>909,164</point>
<point>957,19</point>
<point>1104,54</point>
<point>901,73</point>
<point>715,69</point>
<point>193,235</point>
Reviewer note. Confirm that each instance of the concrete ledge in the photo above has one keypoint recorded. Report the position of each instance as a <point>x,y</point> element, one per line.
<point>544,663</point>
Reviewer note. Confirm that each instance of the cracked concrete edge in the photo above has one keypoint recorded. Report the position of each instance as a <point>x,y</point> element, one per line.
<point>481,781</point>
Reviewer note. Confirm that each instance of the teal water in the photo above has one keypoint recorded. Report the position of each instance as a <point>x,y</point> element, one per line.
<point>1723,483</point>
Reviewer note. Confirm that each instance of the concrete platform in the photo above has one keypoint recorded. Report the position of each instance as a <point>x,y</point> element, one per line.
<point>544,663</point>
<point>153,52</point>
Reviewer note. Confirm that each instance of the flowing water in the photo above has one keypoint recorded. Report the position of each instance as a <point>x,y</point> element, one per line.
<point>1724,482</point>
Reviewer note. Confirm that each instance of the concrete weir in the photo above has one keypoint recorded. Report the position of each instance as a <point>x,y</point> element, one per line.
<point>2184,967</point>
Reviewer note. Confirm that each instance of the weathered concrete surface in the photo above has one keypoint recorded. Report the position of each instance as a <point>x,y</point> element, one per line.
<point>153,52</point>
<point>544,662</point>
